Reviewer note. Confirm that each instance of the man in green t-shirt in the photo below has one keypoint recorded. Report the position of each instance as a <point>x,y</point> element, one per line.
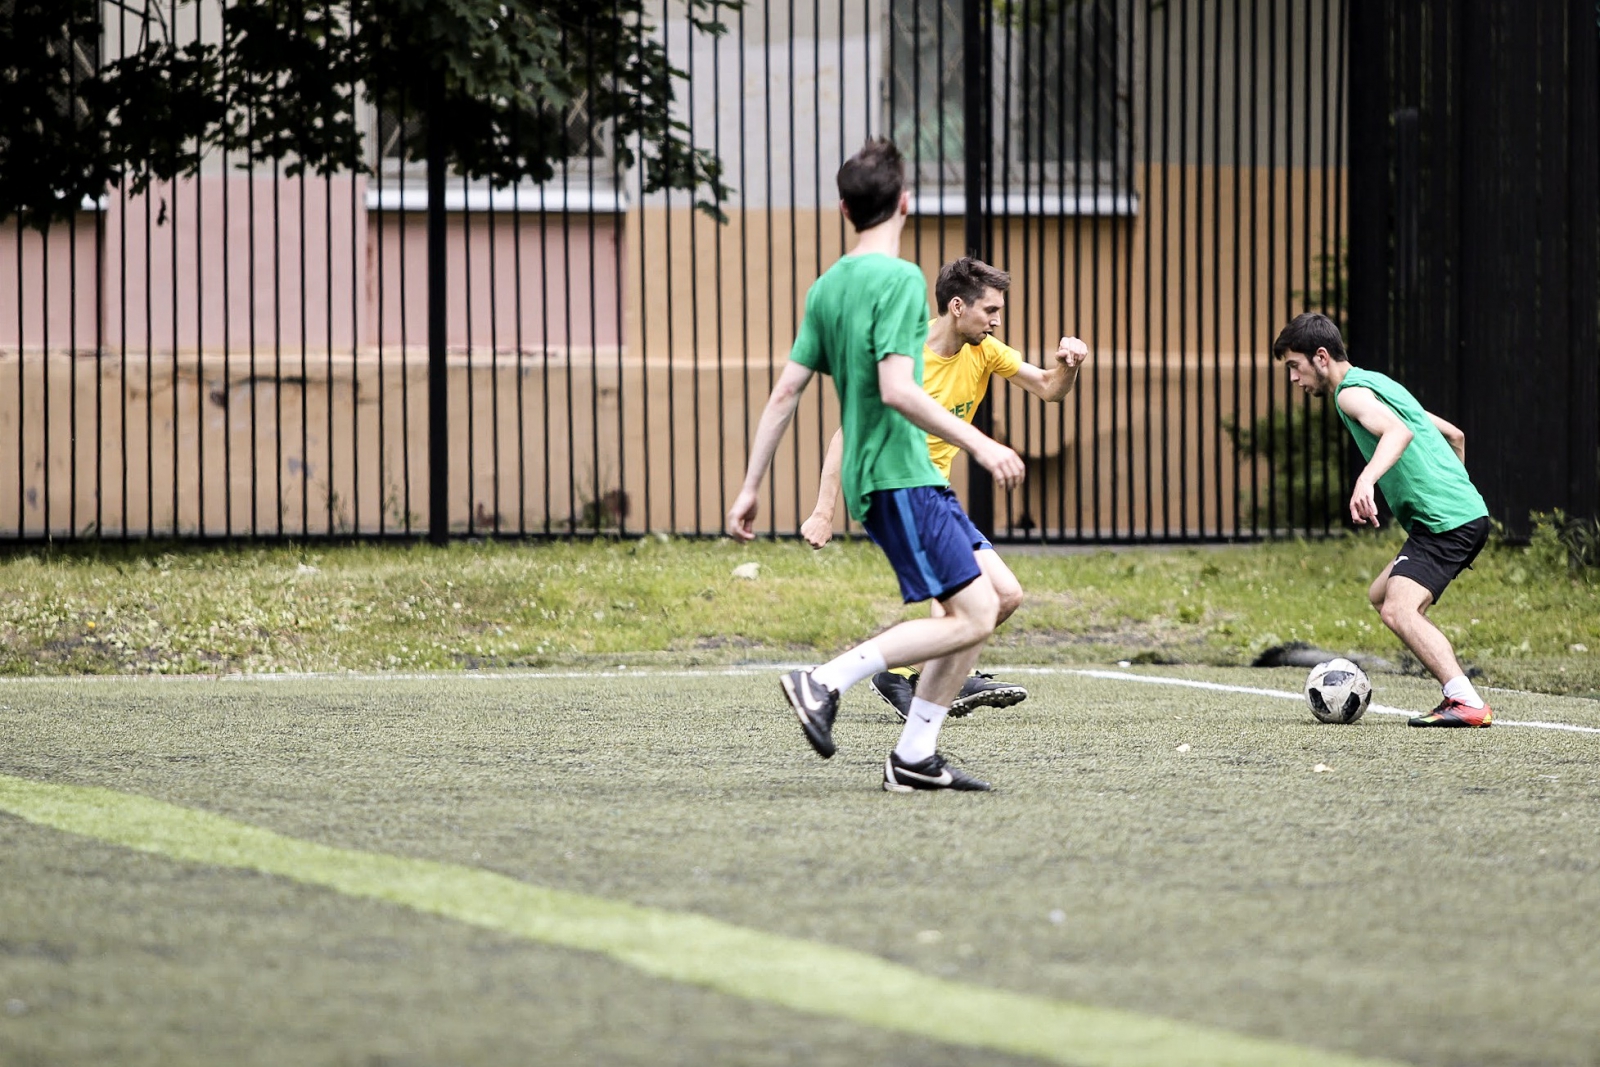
<point>1418,460</point>
<point>865,322</point>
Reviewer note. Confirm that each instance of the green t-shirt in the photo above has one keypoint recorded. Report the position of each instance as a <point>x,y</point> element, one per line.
<point>862,309</point>
<point>1427,486</point>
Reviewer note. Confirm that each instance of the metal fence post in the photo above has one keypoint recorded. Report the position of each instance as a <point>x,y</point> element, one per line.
<point>438,380</point>
<point>976,141</point>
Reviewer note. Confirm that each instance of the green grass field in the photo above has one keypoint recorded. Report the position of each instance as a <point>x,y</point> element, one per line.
<point>653,868</point>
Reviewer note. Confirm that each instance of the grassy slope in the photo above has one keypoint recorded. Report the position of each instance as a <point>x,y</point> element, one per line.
<point>1517,617</point>
<point>1416,901</point>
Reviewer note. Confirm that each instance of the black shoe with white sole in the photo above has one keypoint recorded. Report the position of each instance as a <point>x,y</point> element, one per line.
<point>980,690</point>
<point>931,773</point>
<point>895,690</point>
<point>816,705</point>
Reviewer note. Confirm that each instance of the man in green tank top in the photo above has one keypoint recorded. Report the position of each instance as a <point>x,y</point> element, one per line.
<point>1418,460</point>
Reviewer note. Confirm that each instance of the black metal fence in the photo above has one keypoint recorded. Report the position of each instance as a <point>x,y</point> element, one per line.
<point>1476,192</point>
<point>244,354</point>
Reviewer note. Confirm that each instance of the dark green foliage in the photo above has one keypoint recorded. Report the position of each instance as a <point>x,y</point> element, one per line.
<point>282,84</point>
<point>1300,457</point>
<point>1559,536</point>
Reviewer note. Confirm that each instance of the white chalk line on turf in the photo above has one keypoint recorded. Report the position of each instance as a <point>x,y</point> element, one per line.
<point>732,672</point>
<point>802,975</point>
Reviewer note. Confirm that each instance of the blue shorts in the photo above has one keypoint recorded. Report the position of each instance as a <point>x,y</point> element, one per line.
<point>930,542</point>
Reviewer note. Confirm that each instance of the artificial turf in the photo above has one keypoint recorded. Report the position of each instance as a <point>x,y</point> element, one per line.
<point>1425,899</point>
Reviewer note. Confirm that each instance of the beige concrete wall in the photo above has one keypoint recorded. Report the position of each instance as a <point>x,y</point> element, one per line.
<point>585,428</point>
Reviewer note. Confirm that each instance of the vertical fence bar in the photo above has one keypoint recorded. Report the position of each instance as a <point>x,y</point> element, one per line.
<point>594,333</point>
<point>438,372</point>
<point>666,276</point>
<point>716,150</point>
<point>402,224</point>
<point>1200,178</point>
<point>794,244</point>
<point>619,233</point>
<point>1147,195</point>
<point>122,313</point>
<point>22,397</point>
<point>1216,270</point>
<point>494,363</point>
<point>744,245</point>
<point>521,389</point>
<point>816,199</point>
<point>72,317</point>
<point>468,384</point>
<point>327,325</point>
<point>766,103</point>
<point>199,338</point>
<point>694,296</point>
<point>381,334</point>
<point>305,369</point>
<point>1271,272</point>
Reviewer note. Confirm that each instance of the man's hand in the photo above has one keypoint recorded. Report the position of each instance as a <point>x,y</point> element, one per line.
<point>742,516</point>
<point>1363,504</point>
<point>1072,353</point>
<point>818,529</point>
<point>1000,461</point>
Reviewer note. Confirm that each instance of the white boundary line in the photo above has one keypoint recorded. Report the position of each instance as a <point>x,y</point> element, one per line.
<point>724,672</point>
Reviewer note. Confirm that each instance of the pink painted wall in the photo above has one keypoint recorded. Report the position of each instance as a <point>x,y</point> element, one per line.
<point>560,307</point>
<point>197,265</point>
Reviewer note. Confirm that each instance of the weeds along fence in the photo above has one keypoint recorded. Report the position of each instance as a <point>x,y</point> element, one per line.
<point>245,354</point>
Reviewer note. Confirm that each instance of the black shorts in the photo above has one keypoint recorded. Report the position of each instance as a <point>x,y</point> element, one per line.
<point>1433,560</point>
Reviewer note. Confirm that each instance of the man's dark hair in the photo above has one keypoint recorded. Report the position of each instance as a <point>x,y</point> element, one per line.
<point>871,181</point>
<point>1307,333</point>
<point>967,278</point>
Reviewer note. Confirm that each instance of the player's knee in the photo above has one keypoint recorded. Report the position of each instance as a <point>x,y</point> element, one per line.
<point>980,609</point>
<point>1393,614</point>
<point>1010,599</point>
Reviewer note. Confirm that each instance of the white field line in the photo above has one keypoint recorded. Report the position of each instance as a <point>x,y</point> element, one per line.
<point>729,672</point>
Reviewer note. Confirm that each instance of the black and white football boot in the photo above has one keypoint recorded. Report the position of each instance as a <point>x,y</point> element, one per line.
<point>981,690</point>
<point>895,690</point>
<point>815,705</point>
<point>931,773</point>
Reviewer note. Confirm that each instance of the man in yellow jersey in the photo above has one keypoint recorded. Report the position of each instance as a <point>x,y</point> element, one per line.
<point>958,358</point>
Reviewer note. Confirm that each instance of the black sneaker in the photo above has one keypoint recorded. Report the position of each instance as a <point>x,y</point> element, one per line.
<point>896,690</point>
<point>980,690</point>
<point>931,773</point>
<point>816,705</point>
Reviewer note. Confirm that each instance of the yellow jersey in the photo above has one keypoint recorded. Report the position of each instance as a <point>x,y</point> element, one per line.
<point>959,383</point>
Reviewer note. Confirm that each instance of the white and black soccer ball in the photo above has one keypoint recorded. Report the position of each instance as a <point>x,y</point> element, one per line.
<point>1338,691</point>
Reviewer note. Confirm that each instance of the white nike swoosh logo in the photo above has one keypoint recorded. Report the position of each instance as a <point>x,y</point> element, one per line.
<point>1401,559</point>
<point>803,691</point>
<point>943,779</point>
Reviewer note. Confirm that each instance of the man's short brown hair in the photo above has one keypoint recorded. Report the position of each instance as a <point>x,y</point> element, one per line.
<point>1308,332</point>
<point>967,278</point>
<point>871,181</point>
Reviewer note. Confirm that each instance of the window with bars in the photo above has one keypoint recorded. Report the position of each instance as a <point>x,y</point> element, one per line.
<point>1059,107</point>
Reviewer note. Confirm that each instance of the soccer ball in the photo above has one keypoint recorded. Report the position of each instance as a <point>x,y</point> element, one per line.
<point>1338,691</point>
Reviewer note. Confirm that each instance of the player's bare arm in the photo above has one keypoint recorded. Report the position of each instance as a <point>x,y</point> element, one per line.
<point>1452,434</point>
<point>1054,384</point>
<point>818,529</point>
<point>900,391</point>
<point>774,422</point>
<point>1393,438</point>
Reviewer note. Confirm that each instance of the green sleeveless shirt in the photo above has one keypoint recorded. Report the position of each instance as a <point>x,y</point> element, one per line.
<point>1427,486</point>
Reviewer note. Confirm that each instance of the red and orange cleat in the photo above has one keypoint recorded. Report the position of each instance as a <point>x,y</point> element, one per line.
<point>1456,714</point>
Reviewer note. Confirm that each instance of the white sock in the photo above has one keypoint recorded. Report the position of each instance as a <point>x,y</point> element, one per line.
<point>920,737</point>
<point>1458,688</point>
<point>858,664</point>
